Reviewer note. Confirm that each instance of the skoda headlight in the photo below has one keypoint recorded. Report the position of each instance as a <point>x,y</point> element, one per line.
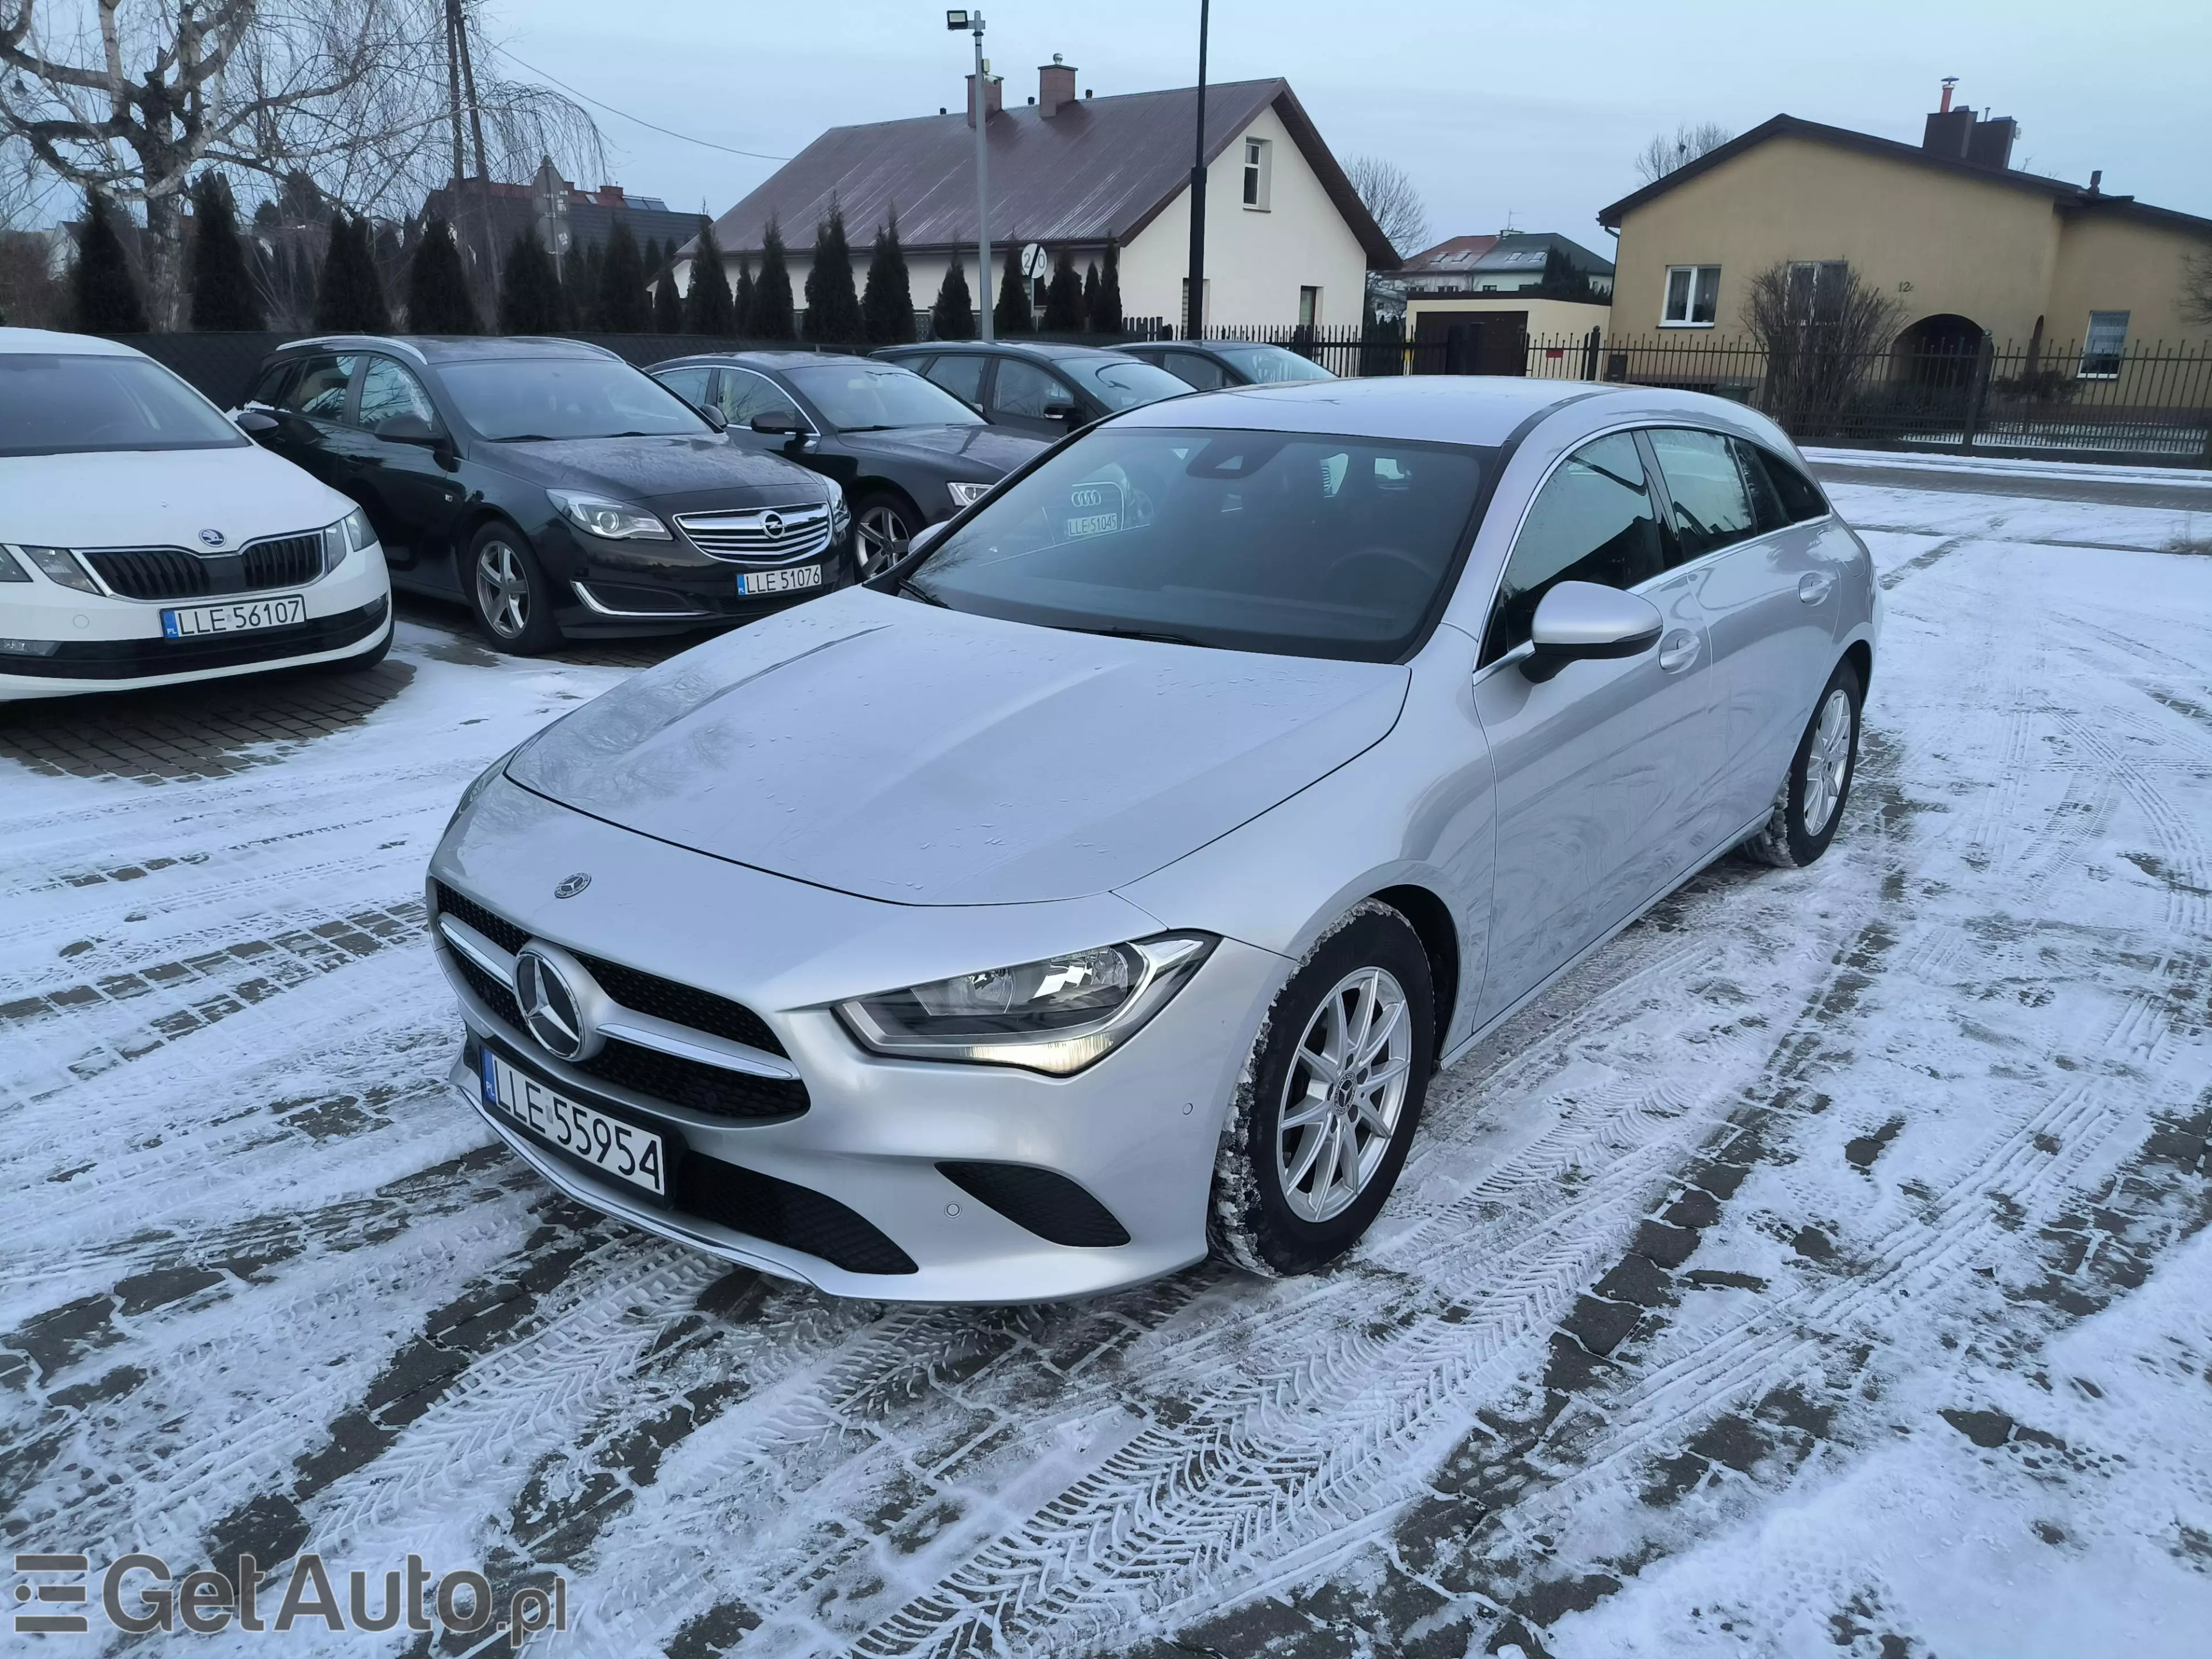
<point>966,495</point>
<point>1056,1016</point>
<point>350,534</point>
<point>613,521</point>
<point>61,567</point>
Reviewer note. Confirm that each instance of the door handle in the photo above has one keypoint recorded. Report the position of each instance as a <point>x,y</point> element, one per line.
<point>1814,586</point>
<point>1677,652</point>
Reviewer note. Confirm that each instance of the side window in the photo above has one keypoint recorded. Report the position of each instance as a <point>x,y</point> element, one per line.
<point>1765,499</point>
<point>688,383</point>
<point>1026,391</point>
<point>1593,521</point>
<point>319,391</point>
<point>1192,369</point>
<point>962,374</point>
<point>1801,497</point>
<point>744,394</point>
<point>271,383</point>
<point>1711,506</point>
<point>388,391</point>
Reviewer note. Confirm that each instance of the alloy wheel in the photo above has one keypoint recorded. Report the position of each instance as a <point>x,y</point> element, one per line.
<point>1344,1095</point>
<point>502,590</point>
<point>878,527</point>
<point>1827,759</point>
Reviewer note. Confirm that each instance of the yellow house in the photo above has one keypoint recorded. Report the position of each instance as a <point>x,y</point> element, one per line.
<point>1968,245</point>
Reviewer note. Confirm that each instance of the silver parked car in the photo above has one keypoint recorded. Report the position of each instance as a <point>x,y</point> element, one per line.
<point>1110,876</point>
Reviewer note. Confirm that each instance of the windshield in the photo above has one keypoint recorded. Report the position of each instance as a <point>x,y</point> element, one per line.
<point>51,405</point>
<point>1122,382</point>
<point>1265,365</point>
<point>871,396</point>
<point>1248,541</point>
<point>514,398</point>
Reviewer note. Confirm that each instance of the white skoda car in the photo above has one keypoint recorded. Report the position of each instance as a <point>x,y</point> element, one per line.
<point>144,540</point>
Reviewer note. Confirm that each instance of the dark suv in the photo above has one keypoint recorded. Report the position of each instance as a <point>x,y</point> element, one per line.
<point>551,486</point>
<point>1034,386</point>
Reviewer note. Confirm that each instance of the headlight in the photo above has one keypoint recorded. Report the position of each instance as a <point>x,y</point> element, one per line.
<point>9,570</point>
<point>966,495</point>
<point>350,534</point>
<point>61,566</point>
<point>841,516</point>
<point>483,781</point>
<point>1056,1016</point>
<point>612,521</point>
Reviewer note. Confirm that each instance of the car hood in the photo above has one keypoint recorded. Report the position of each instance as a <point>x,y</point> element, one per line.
<point>989,452</point>
<point>680,473</point>
<point>902,752</point>
<point>152,497</point>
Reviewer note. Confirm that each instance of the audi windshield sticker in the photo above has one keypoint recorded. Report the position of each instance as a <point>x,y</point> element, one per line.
<point>1093,509</point>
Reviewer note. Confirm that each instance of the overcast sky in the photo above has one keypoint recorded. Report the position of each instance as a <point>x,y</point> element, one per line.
<point>1531,110</point>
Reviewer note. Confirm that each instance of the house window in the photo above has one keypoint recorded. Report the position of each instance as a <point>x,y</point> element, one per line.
<point>1255,174</point>
<point>1309,307</point>
<point>1815,290</point>
<point>2101,352</point>
<point>1693,296</point>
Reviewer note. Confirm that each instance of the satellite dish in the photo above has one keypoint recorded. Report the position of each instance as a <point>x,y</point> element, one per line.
<point>1033,261</point>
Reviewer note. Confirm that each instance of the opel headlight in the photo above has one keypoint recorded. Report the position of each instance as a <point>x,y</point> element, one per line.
<point>966,495</point>
<point>841,516</point>
<point>1056,1016</point>
<point>613,521</point>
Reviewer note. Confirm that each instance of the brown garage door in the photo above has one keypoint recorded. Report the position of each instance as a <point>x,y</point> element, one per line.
<point>1471,343</point>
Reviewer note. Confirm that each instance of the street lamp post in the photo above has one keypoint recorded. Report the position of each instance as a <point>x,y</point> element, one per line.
<point>1194,321</point>
<point>978,113</point>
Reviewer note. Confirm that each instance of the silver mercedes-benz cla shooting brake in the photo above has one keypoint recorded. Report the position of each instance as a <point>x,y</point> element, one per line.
<point>1109,877</point>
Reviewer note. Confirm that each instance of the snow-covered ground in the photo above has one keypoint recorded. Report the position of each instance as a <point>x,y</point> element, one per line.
<point>1822,1269</point>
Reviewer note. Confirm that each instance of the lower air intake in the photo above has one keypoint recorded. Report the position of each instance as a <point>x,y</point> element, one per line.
<point>784,1212</point>
<point>1050,1205</point>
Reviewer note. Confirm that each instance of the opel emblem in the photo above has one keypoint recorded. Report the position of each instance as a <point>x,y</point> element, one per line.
<point>572,885</point>
<point>212,537</point>
<point>771,525</point>
<point>551,1007</point>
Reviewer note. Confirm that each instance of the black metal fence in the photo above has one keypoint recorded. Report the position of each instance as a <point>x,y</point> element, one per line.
<point>2142,403</point>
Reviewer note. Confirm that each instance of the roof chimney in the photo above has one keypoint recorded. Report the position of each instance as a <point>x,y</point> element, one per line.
<point>1055,86</point>
<point>1949,82</point>
<point>2097,182</point>
<point>994,91</point>
<point>1948,129</point>
<point>1990,144</point>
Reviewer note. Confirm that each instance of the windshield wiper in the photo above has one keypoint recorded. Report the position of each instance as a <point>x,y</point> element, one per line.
<point>880,426</point>
<point>906,585</point>
<point>1138,634</point>
<point>527,438</point>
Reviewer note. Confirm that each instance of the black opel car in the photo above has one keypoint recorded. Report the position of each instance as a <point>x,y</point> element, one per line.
<point>907,451</point>
<point>1209,365</point>
<point>1037,387</point>
<point>551,486</point>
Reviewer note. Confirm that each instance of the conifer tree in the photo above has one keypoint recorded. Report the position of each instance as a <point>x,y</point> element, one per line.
<point>1063,297</point>
<point>887,308</point>
<point>581,287</point>
<point>1090,295</point>
<point>833,309</point>
<point>1012,313</point>
<point>771,318</point>
<point>667,304</point>
<point>952,315</point>
<point>624,301</point>
<point>708,307</point>
<point>349,299</point>
<point>529,289</point>
<point>105,292</point>
<point>438,300</point>
<point>223,294</point>
<point>1106,314</point>
<point>741,307</point>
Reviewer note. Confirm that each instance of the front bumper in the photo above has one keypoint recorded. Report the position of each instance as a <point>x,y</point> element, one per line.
<point>606,588</point>
<point>1136,1132</point>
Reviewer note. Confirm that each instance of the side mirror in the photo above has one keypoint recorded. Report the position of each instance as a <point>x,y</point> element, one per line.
<point>253,423</point>
<point>1576,620</point>
<point>925,538</point>
<point>410,429</point>
<point>713,416</point>
<point>775,421</point>
<point>1067,412</point>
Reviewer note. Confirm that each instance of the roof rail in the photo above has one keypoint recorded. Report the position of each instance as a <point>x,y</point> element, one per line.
<point>387,342</point>
<point>563,340</point>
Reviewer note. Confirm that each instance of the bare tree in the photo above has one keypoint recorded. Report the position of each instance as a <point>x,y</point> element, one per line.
<point>1823,329</point>
<point>2197,286</point>
<point>1387,192</point>
<point>132,97</point>
<point>1662,154</point>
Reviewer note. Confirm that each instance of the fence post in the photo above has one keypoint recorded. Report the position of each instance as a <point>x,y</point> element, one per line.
<point>1978,394</point>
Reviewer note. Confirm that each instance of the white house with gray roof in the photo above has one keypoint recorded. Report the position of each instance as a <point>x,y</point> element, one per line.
<point>1287,240</point>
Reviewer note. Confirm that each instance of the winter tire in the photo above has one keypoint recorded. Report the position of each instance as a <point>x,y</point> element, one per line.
<point>1329,1099</point>
<point>881,518</point>
<point>1810,804</point>
<point>509,591</point>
